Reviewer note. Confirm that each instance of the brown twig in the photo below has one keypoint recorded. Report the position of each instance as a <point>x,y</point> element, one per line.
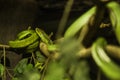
<point>99,75</point>
<point>112,50</point>
<point>64,18</point>
<point>5,46</point>
<point>4,53</point>
<point>10,75</point>
<point>93,26</point>
<point>45,67</point>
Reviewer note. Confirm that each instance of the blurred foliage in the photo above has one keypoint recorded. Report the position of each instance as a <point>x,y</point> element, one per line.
<point>2,69</point>
<point>60,60</point>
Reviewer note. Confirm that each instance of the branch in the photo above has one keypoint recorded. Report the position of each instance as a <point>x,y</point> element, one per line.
<point>112,50</point>
<point>5,46</point>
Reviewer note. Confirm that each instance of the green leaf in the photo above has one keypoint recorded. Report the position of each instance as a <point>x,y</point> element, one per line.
<point>68,49</point>
<point>2,69</point>
<point>29,73</point>
<point>33,75</point>
<point>81,71</point>
<point>15,78</point>
<point>55,72</point>
<point>28,67</point>
<point>40,58</point>
<point>20,67</point>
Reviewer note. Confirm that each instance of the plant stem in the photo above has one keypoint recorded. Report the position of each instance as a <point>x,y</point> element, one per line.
<point>33,56</point>
<point>94,26</point>
<point>64,18</point>
<point>4,53</point>
<point>45,67</point>
<point>112,50</point>
<point>9,73</point>
<point>99,75</point>
<point>5,46</point>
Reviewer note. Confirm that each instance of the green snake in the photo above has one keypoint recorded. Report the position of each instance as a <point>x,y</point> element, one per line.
<point>79,23</point>
<point>114,9</point>
<point>24,42</point>
<point>30,39</point>
<point>43,36</point>
<point>99,55</point>
<point>25,33</point>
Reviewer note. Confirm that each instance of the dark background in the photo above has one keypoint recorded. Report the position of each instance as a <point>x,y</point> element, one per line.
<point>17,15</point>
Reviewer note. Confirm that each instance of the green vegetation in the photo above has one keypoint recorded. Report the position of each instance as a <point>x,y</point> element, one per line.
<point>66,58</point>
